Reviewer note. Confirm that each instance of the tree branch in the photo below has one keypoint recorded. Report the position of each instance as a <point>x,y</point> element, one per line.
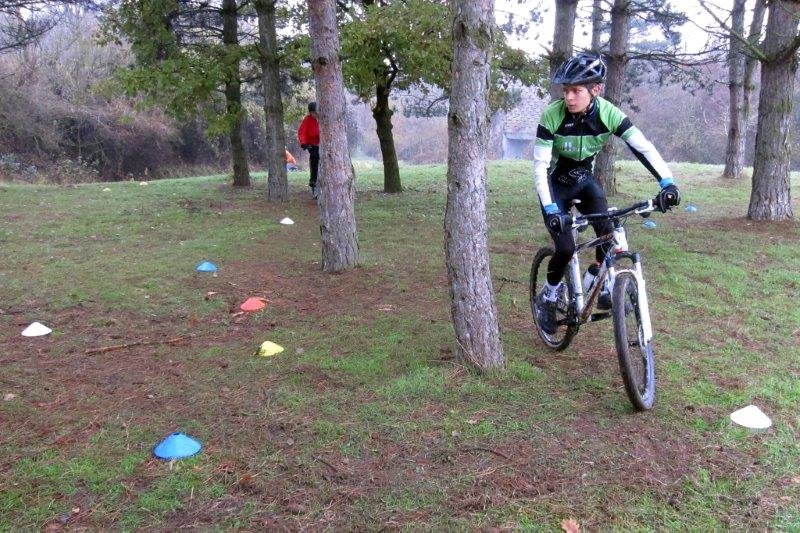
<point>755,50</point>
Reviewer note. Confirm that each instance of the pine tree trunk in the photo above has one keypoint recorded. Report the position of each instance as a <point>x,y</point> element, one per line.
<point>597,25</point>
<point>563,36</point>
<point>750,64</point>
<point>382,114</point>
<point>770,198</point>
<point>473,307</point>
<point>233,95</point>
<point>336,179</point>
<point>277,184</point>
<point>615,84</point>
<point>734,151</point>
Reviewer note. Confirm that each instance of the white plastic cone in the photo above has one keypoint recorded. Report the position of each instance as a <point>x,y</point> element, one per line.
<point>751,417</point>
<point>36,330</point>
<point>286,221</point>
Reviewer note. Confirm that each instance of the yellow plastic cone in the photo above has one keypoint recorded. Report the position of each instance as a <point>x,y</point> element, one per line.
<point>268,349</point>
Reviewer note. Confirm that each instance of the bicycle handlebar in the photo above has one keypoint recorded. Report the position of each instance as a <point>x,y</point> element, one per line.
<point>641,208</point>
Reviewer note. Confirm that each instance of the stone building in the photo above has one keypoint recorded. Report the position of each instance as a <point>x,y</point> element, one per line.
<point>513,131</point>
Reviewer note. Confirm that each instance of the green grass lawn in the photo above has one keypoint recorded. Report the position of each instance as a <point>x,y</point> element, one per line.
<point>365,421</point>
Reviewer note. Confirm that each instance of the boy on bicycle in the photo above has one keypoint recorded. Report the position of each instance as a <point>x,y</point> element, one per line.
<point>571,131</point>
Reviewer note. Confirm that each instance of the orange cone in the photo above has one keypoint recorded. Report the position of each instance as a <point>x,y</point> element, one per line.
<point>253,304</point>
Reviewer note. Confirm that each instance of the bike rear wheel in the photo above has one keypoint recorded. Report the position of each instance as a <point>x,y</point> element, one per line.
<point>636,357</point>
<point>566,329</point>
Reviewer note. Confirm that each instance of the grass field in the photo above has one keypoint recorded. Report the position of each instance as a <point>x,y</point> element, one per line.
<point>365,421</point>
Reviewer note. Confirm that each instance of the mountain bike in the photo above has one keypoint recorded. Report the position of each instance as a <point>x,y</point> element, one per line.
<point>621,274</point>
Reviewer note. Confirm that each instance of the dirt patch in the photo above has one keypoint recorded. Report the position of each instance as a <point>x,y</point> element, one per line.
<point>782,229</point>
<point>293,287</point>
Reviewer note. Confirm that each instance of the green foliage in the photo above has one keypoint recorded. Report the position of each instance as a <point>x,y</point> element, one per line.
<point>409,44</point>
<point>179,71</point>
<point>408,39</point>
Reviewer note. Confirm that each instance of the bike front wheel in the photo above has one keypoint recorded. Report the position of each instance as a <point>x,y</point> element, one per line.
<point>636,357</point>
<point>566,328</point>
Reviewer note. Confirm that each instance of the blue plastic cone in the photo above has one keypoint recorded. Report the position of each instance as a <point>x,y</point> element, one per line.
<point>177,446</point>
<point>206,266</point>
<point>649,224</point>
<point>690,208</point>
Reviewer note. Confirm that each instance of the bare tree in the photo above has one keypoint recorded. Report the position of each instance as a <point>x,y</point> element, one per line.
<point>337,179</point>
<point>563,37</point>
<point>734,152</point>
<point>770,198</point>
<point>473,307</point>
<point>615,82</point>
<point>23,22</point>
<point>233,95</point>
<point>751,62</point>
<point>277,184</point>
<point>740,82</point>
<point>597,25</point>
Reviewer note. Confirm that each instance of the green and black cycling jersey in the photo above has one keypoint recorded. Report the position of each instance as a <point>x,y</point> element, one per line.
<point>565,142</point>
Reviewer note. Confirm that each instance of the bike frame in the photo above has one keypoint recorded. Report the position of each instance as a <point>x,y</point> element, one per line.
<point>608,272</point>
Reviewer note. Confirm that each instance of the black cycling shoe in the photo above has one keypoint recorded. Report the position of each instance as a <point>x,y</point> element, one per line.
<point>546,314</point>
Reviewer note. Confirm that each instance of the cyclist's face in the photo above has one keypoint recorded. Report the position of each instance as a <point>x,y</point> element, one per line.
<point>578,97</point>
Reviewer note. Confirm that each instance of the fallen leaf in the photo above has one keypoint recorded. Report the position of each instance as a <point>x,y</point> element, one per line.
<point>472,421</point>
<point>570,526</point>
<point>76,510</point>
<point>247,479</point>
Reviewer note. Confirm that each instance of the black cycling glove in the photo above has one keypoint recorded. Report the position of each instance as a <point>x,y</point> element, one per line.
<point>668,197</point>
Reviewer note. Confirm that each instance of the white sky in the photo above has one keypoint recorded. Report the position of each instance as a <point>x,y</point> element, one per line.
<point>540,36</point>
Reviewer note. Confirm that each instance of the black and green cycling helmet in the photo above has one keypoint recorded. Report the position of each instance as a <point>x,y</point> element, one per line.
<point>581,69</point>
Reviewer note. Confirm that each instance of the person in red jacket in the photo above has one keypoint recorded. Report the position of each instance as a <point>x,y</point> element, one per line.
<point>308,135</point>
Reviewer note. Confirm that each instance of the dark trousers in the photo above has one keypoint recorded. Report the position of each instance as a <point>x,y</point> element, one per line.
<point>313,163</point>
<point>593,200</point>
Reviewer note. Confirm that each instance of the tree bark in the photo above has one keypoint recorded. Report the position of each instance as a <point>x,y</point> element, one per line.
<point>277,184</point>
<point>473,307</point>
<point>734,151</point>
<point>750,64</point>
<point>770,197</point>
<point>382,114</point>
<point>597,25</point>
<point>337,179</point>
<point>233,94</point>
<point>615,83</point>
<point>563,37</point>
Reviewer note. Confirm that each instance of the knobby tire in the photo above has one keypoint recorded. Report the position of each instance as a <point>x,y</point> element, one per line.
<point>636,361</point>
<point>563,335</point>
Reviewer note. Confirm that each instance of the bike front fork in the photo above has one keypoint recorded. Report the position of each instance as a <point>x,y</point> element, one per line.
<point>641,293</point>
